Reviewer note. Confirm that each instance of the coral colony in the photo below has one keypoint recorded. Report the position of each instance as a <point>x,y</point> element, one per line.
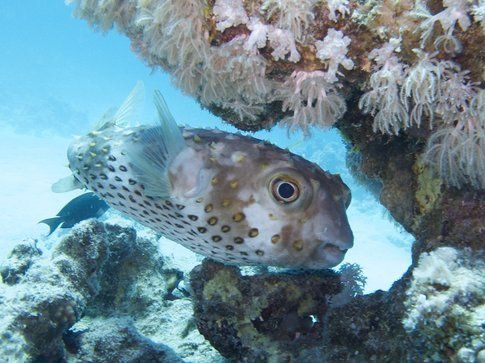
<point>243,58</point>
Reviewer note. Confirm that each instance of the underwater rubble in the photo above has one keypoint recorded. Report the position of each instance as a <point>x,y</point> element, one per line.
<point>103,294</point>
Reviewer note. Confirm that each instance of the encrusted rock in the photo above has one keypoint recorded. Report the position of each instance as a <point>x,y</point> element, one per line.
<point>262,317</point>
<point>19,261</point>
<point>114,340</point>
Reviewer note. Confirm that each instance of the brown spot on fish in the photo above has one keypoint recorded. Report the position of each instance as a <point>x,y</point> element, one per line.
<point>238,217</point>
<point>214,180</point>
<point>208,208</point>
<point>230,247</point>
<point>225,229</point>
<point>234,184</point>
<point>192,217</point>
<point>275,238</point>
<point>238,240</point>
<point>202,229</point>
<point>123,168</point>
<point>212,221</point>
<point>298,245</point>
<point>226,203</point>
<point>216,238</point>
<point>253,232</point>
<point>259,252</point>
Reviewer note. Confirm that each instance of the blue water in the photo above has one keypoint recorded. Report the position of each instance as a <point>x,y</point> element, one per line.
<point>58,77</point>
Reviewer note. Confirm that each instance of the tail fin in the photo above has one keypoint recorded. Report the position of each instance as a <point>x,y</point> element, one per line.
<point>53,223</point>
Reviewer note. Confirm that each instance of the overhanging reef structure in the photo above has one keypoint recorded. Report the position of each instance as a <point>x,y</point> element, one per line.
<point>403,82</point>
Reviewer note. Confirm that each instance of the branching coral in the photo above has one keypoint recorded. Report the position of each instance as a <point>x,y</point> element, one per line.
<point>180,44</point>
<point>332,50</point>
<point>241,74</point>
<point>283,42</point>
<point>229,13</point>
<point>353,283</point>
<point>478,12</point>
<point>335,6</point>
<point>422,85</point>
<point>240,56</point>
<point>455,11</point>
<point>258,37</point>
<point>292,15</point>
<point>458,149</point>
<point>383,100</point>
<point>313,100</point>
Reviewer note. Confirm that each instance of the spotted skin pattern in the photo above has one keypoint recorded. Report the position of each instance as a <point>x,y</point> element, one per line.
<point>222,204</point>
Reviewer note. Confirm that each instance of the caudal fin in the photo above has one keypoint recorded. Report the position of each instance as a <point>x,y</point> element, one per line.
<point>53,223</point>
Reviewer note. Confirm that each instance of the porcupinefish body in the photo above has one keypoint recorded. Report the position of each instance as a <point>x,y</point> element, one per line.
<point>227,196</point>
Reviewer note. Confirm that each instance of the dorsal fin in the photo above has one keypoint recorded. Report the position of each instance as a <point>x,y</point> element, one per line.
<point>157,148</point>
<point>121,116</point>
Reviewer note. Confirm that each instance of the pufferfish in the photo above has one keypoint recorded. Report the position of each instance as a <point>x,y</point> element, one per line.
<point>230,197</point>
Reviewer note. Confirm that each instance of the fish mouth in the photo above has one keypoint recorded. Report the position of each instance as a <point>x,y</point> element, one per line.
<point>334,249</point>
<point>332,253</point>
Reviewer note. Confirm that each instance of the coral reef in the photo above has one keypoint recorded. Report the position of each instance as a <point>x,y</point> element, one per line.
<point>403,82</point>
<point>258,62</point>
<point>102,294</point>
<point>445,305</point>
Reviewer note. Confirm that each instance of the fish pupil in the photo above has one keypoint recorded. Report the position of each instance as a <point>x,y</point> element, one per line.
<point>286,190</point>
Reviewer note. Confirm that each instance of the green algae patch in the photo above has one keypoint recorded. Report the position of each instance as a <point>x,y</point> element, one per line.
<point>224,286</point>
<point>428,191</point>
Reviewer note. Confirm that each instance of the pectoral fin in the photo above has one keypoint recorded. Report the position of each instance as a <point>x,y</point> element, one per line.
<point>66,184</point>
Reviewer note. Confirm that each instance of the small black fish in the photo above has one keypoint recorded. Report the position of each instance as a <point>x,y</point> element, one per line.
<point>83,207</point>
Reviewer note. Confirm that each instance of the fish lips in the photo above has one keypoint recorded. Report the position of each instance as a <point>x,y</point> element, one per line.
<point>331,254</point>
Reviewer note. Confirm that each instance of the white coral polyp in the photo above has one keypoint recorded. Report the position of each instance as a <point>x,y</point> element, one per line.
<point>283,43</point>
<point>229,13</point>
<point>383,101</point>
<point>337,6</point>
<point>333,51</point>
<point>455,12</point>
<point>259,35</point>
<point>292,15</point>
<point>313,100</point>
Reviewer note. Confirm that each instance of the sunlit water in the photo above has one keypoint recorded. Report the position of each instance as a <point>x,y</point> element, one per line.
<point>57,77</point>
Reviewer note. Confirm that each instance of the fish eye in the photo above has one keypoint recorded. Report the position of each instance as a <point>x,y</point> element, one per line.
<point>285,191</point>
